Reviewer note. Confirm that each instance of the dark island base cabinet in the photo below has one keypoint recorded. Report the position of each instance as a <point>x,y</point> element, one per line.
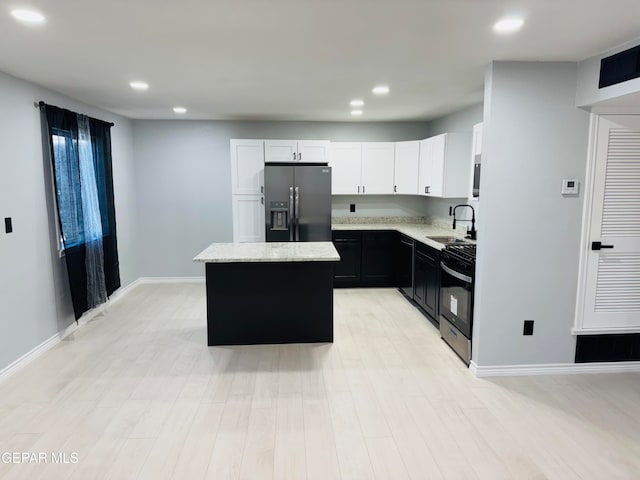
<point>270,302</point>
<point>366,259</point>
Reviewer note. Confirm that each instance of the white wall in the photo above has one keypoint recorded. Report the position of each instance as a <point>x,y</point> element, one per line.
<point>528,250</point>
<point>34,293</point>
<point>183,181</point>
<point>587,92</point>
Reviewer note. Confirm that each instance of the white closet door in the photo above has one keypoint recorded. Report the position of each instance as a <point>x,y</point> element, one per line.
<point>406,167</point>
<point>612,290</point>
<point>248,218</point>
<point>346,160</point>
<point>377,168</point>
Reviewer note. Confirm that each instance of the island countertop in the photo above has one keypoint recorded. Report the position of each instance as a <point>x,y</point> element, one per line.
<point>269,252</point>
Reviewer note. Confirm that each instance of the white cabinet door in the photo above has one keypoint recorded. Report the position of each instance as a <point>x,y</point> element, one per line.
<point>248,218</point>
<point>247,166</point>
<point>313,151</point>
<point>377,168</point>
<point>424,169</point>
<point>433,157</point>
<point>407,160</point>
<point>280,151</point>
<point>346,160</point>
<point>438,158</point>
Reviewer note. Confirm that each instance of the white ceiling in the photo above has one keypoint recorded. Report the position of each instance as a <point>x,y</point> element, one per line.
<point>295,59</point>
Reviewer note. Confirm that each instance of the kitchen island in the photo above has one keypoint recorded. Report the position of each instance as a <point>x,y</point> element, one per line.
<point>277,292</point>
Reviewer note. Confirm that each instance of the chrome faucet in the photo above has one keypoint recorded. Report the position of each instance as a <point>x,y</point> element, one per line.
<point>471,232</point>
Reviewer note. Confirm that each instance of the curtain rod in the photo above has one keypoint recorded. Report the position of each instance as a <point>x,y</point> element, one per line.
<point>41,105</point>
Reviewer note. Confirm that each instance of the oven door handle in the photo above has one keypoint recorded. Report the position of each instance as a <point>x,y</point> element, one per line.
<point>455,274</point>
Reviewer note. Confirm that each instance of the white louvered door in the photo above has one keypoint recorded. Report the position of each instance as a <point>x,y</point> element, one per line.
<point>612,289</point>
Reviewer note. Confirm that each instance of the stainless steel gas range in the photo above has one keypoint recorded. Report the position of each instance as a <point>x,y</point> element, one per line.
<point>457,271</point>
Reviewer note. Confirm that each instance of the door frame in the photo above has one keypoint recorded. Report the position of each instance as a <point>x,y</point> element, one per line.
<point>587,212</point>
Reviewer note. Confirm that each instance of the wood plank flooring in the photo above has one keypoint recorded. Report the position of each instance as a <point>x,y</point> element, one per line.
<point>137,394</point>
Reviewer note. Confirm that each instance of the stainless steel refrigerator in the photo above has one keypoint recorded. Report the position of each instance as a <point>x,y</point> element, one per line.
<point>297,203</point>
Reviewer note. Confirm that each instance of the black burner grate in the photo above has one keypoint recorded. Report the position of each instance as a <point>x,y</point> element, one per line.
<point>466,253</point>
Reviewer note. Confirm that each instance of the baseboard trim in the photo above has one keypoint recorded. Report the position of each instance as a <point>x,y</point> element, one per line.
<point>52,341</point>
<point>29,357</point>
<point>171,280</point>
<point>553,369</point>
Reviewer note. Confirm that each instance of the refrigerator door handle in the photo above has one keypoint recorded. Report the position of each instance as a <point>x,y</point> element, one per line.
<point>292,222</point>
<point>297,238</point>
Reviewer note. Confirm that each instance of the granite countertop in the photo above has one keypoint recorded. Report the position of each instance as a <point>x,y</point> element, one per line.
<point>417,231</point>
<point>269,252</point>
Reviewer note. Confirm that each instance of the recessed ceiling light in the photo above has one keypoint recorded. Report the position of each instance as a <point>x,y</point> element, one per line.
<point>356,103</point>
<point>380,90</point>
<point>28,16</point>
<point>138,85</point>
<point>356,112</point>
<point>508,25</point>
<point>179,110</point>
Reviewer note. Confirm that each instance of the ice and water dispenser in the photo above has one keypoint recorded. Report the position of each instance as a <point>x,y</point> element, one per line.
<point>279,215</point>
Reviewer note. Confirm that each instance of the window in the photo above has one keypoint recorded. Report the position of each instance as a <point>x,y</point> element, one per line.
<point>68,193</point>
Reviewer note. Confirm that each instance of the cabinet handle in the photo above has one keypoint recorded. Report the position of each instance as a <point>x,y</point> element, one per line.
<point>362,188</point>
<point>294,155</point>
<point>262,200</point>
<point>300,156</point>
<point>425,189</point>
<point>395,189</point>
<point>261,188</point>
<point>358,188</point>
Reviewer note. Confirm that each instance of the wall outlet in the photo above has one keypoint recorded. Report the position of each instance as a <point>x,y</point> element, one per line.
<point>528,327</point>
<point>8,225</point>
<point>352,207</point>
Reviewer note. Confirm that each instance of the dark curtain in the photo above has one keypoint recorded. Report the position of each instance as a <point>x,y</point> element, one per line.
<point>62,127</point>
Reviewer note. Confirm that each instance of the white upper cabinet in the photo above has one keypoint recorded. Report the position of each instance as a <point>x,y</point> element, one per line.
<point>280,151</point>
<point>407,158</point>
<point>305,151</point>
<point>377,168</point>
<point>444,166</point>
<point>247,167</point>
<point>346,168</point>
<point>314,151</point>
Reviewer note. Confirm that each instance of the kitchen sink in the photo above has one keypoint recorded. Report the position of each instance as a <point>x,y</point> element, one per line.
<point>447,240</point>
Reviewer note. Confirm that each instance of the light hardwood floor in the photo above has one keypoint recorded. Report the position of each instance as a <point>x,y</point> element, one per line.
<point>137,394</point>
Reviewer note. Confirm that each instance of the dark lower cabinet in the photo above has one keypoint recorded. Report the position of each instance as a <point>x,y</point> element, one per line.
<point>389,259</point>
<point>404,264</point>
<point>349,247</point>
<point>366,258</point>
<point>426,279</point>
<point>377,259</point>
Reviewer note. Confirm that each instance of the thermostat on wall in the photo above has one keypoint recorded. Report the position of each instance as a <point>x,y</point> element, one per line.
<point>570,186</point>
